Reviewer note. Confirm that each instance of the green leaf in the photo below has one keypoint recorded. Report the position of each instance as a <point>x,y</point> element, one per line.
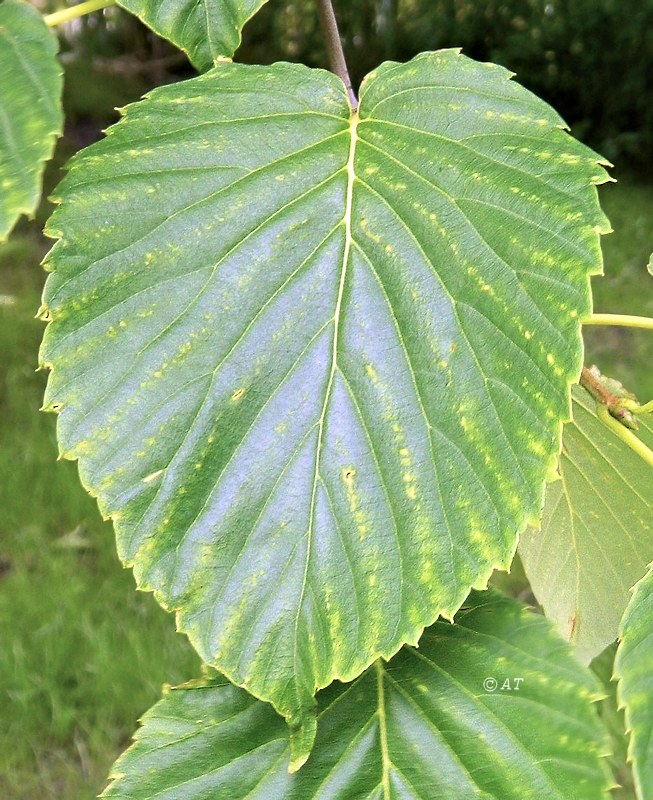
<point>632,668</point>
<point>30,108</point>
<point>206,30</point>
<point>596,538</point>
<point>613,719</point>
<point>422,726</point>
<point>315,365</point>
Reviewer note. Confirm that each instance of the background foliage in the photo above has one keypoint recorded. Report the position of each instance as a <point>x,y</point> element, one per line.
<point>591,59</point>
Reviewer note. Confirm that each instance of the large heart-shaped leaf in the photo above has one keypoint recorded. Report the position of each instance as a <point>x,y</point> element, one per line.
<point>315,363</point>
<point>206,30</point>
<point>633,668</point>
<point>596,539</point>
<point>30,108</point>
<point>493,707</point>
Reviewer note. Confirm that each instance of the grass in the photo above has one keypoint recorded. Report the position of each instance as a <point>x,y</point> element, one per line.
<point>82,655</point>
<point>626,287</point>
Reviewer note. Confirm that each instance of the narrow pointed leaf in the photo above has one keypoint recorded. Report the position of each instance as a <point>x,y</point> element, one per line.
<point>315,364</point>
<point>30,108</point>
<point>421,728</point>
<point>206,30</point>
<point>634,671</point>
<point>596,539</point>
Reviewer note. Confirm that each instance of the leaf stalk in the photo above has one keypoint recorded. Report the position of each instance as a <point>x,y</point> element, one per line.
<point>622,320</point>
<point>625,435</point>
<point>76,11</point>
<point>335,51</point>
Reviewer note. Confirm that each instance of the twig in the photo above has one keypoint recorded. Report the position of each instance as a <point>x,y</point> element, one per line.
<point>620,407</point>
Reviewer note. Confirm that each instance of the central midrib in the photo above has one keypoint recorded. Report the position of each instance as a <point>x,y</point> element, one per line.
<point>383,729</point>
<point>347,218</point>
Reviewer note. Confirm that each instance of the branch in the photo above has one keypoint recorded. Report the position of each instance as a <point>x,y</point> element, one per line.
<point>619,406</point>
<point>335,52</point>
<point>616,410</point>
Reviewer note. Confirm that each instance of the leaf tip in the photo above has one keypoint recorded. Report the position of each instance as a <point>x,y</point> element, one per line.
<point>302,738</point>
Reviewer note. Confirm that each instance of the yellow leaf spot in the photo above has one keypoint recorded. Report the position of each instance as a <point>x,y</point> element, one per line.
<point>371,373</point>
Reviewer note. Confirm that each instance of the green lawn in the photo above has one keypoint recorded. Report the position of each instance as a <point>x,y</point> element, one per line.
<point>82,655</point>
<point>626,287</point>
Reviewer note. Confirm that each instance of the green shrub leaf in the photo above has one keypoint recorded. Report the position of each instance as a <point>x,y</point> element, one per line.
<point>632,667</point>
<point>596,538</point>
<point>315,365</point>
<point>422,726</point>
<point>612,717</point>
<point>30,108</point>
<point>206,30</point>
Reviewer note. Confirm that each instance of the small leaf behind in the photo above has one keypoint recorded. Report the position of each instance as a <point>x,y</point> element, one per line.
<point>596,538</point>
<point>634,669</point>
<point>422,727</point>
<point>206,30</point>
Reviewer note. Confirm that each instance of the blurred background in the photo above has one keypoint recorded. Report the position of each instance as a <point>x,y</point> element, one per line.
<point>82,655</point>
